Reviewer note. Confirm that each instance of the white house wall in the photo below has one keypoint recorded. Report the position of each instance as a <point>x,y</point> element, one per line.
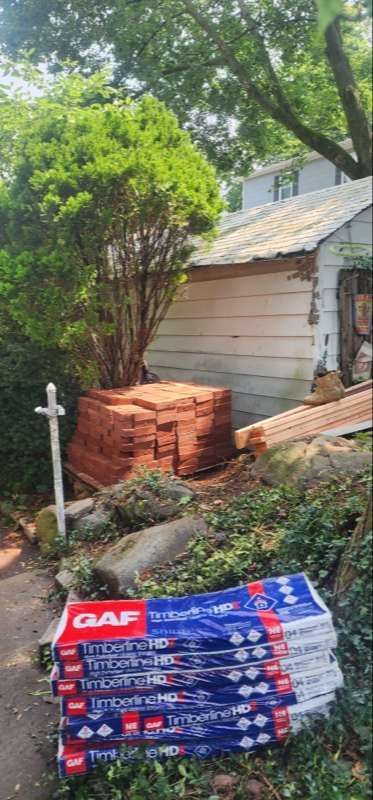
<point>315,175</point>
<point>358,231</point>
<point>249,333</point>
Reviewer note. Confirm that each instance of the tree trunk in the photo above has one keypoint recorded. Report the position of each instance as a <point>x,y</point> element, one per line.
<point>348,91</point>
<point>350,557</point>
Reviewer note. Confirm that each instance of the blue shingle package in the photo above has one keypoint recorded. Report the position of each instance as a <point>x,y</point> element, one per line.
<point>197,667</point>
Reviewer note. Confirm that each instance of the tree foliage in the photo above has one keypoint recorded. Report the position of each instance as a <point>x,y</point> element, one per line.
<point>98,205</point>
<point>250,79</point>
<point>25,370</point>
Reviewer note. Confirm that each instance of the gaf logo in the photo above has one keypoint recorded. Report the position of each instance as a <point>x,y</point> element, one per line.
<point>261,602</point>
<point>75,765</point>
<point>154,723</point>
<point>120,620</point>
<point>77,670</point>
<point>76,708</point>
<point>67,687</point>
<point>68,652</point>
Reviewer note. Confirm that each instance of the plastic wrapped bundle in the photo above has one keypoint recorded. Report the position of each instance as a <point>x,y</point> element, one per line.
<point>200,675</point>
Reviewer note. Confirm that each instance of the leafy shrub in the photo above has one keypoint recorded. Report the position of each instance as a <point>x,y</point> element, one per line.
<point>25,370</point>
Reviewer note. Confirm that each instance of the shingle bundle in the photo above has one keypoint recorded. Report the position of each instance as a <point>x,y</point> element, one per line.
<point>202,675</point>
<point>170,426</point>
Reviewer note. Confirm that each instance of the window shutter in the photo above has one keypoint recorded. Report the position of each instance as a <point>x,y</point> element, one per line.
<point>296,184</point>
<point>276,191</point>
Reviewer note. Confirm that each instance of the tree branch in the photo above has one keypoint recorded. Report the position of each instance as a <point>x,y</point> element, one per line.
<point>315,140</point>
<point>358,124</point>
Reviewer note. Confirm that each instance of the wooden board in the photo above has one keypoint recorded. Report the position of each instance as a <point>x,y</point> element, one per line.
<point>354,408</point>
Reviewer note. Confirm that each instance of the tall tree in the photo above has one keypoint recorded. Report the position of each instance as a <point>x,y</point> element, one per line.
<point>258,74</point>
<point>98,207</point>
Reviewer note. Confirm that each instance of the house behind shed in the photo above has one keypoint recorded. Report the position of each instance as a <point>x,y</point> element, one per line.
<point>261,307</point>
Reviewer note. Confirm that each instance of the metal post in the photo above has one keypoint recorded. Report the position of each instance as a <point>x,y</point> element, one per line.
<point>53,411</point>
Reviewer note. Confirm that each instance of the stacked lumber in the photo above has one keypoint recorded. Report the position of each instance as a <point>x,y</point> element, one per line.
<point>176,427</point>
<point>355,407</point>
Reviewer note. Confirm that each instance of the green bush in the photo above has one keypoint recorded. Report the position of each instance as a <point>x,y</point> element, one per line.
<point>25,370</point>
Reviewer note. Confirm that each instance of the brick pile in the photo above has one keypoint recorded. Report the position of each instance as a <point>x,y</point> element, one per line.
<point>176,427</point>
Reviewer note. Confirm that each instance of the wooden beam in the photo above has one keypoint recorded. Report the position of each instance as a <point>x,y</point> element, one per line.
<point>304,420</point>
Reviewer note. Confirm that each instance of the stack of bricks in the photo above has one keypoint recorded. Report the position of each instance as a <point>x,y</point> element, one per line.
<point>176,427</point>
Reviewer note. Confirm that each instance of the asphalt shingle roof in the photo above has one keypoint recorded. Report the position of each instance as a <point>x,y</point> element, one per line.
<point>288,227</point>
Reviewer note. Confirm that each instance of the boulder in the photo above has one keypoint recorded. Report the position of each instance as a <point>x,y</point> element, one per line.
<point>46,521</point>
<point>141,508</point>
<point>78,509</point>
<point>177,491</point>
<point>137,552</point>
<point>65,579</point>
<point>311,461</point>
<point>93,524</point>
<point>46,528</point>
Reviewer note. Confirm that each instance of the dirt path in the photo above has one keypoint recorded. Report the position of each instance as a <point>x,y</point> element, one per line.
<point>26,720</point>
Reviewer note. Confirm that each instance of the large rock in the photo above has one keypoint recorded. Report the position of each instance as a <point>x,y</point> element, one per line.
<point>176,490</point>
<point>46,521</point>
<point>311,461</point>
<point>139,551</point>
<point>46,528</point>
<point>94,523</point>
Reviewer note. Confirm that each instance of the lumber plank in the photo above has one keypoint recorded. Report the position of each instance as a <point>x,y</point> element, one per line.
<point>356,405</point>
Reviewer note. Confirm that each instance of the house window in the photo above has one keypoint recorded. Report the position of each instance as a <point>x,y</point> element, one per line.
<point>340,177</point>
<point>285,190</point>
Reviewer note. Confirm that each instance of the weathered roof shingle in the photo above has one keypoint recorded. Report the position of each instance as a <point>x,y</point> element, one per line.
<point>286,228</point>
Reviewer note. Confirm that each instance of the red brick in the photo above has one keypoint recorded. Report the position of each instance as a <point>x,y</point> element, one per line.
<point>204,409</point>
<point>137,450</point>
<point>165,450</point>
<point>138,430</point>
<point>155,402</point>
<point>109,397</point>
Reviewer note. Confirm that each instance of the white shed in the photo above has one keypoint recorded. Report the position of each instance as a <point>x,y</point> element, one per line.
<point>261,307</point>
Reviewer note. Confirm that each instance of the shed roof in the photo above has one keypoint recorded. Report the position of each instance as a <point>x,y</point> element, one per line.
<point>289,227</point>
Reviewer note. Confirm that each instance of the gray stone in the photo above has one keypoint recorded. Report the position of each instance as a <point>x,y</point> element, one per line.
<point>311,461</point>
<point>65,579</point>
<point>78,509</point>
<point>142,508</point>
<point>145,549</point>
<point>177,491</point>
<point>93,523</point>
<point>46,521</point>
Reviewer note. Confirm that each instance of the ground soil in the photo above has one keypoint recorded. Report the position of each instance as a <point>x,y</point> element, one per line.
<point>27,718</point>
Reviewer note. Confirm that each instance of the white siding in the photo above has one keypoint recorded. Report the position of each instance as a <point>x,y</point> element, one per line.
<point>358,231</point>
<point>248,333</point>
<point>315,175</point>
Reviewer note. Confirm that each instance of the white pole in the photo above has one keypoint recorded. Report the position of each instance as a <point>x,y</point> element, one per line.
<point>53,412</point>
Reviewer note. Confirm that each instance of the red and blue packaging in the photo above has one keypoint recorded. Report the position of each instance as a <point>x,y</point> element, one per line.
<point>292,688</point>
<point>189,723</point>
<point>277,670</point>
<point>242,734</point>
<point>256,614</point>
<point>198,675</point>
<point>132,665</point>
